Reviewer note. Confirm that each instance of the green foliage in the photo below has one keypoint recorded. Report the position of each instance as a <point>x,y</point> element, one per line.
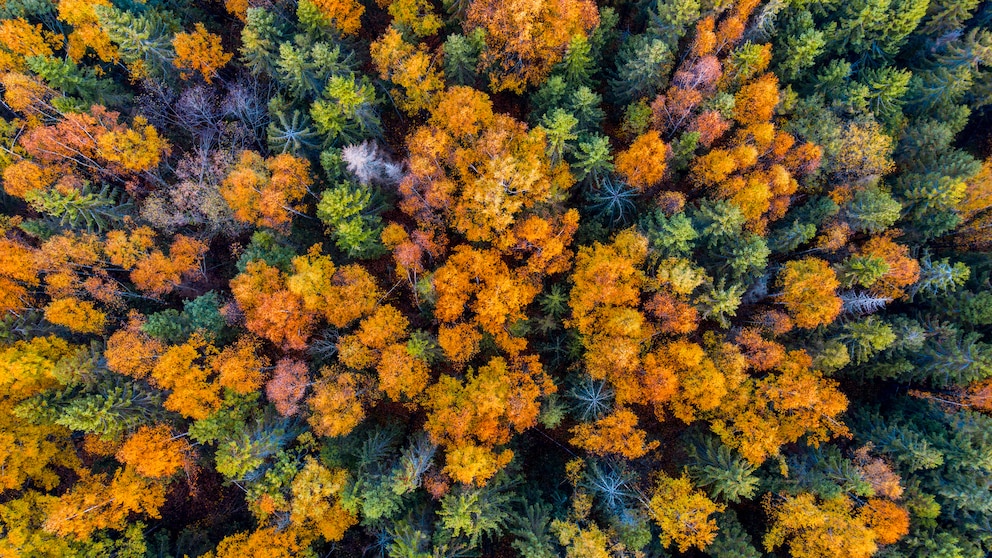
<point>461,57</point>
<point>732,541</point>
<point>471,513</point>
<point>643,67</point>
<point>269,247</point>
<point>872,210</point>
<point>144,39</point>
<point>352,215</point>
<point>532,533</point>
<point>721,471</point>
<point>671,236</point>
<point>90,209</point>
<point>864,338</point>
<point>346,112</point>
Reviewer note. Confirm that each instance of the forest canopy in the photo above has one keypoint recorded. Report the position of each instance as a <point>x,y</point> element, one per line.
<point>539,278</point>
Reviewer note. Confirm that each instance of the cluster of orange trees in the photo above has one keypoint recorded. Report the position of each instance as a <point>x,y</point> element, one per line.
<point>487,278</point>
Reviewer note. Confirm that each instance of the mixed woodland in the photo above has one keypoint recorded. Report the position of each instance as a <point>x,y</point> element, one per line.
<point>539,278</point>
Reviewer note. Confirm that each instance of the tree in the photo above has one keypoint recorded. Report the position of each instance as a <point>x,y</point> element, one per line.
<point>643,163</point>
<point>265,192</point>
<point>316,501</point>
<point>80,316</point>
<point>86,32</point>
<point>615,433</point>
<point>338,402</point>
<point>476,170</point>
<point>808,292</point>
<point>410,67</point>
<point>154,452</point>
<point>682,512</point>
<point>526,38</point>
<point>103,501</point>
<point>470,418</point>
<point>271,310</point>
<point>343,295</point>
<point>343,15</point>
<point>199,51</point>
<point>812,528</point>
<point>481,282</point>
<point>157,274</point>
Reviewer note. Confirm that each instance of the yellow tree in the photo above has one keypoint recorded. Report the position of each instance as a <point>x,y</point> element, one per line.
<point>99,501</point>
<point>477,171</point>
<point>643,164</point>
<point>818,529</point>
<point>683,513</point>
<point>481,282</point>
<point>199,51</point>
<point>154,452</point>
<point>809,292</point>
<point>605,296</point>
<point>271,310</point>
<point>469,418</point>
<point>410,67</point>
<point>526,38</point>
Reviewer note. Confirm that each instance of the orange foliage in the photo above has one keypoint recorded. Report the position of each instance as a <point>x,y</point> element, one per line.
<point>410,67</point>
<point>543,243</point>
<point>138,148</point>
<point>711,127</point>
<point>337,403</point>
<point>674,316</point>
<point>477,171</point>
<point>459,341</point>
<point>494,401</point>
<point>343,15</point>
<point>24,177</point>
<point>669,112</point>
<point>158,275</point>
<point>199,51</point>
<point>288,385</point>
<point>604,298</point>
<point>19,40</point>
<point>239,366</point>
<point>270,310</point>
<point>265,192</point>
<point>878,473</point>
<point>130,351</point>
<point>973,208</point>
<point>480,281</point>
<point>643,163</point>
<point>826,529</point>
<point>341,295</point>
<point>755,102</point>
<point>185,370</point>
<point>269,542</point>
<point>153,452</point>
<point>683,513</point>
<point>903,270</point>
<point>80,316</point>
<point>888,520</point>
<point>126,249</point>
<point>809,292</point>
<point>86,30</point>
<point>526,38</point>
<point>97,502</point>
<point>795,402</point>
<point>616,433</point>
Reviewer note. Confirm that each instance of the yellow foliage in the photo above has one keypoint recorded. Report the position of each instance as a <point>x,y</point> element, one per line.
<point>80,316</point>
